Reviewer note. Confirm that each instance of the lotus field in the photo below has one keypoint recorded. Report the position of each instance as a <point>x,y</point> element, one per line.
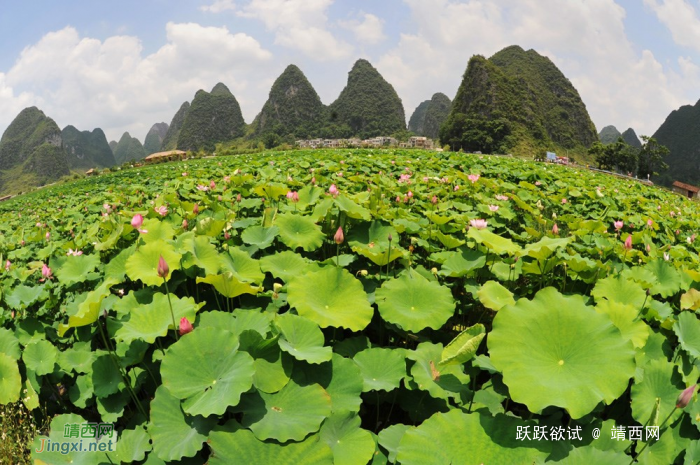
<point>354,307</point>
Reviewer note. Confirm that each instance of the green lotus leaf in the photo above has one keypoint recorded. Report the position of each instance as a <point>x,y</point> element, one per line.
<point>208,226</point>
<point>331,297</point>
<point>272,368</point>
<point>9,344</point>
<point>69,455</point>
<point>22,296</point>
<point>272,190</point>
<point>692,453</point>
<point>82,391</point>
<point>242,266</point>
<point>89,309</point>
<point>450,242</point>
<point>143,264</point>
<point>206,370</point>
<point>168,421</point>
<point>200,252</point>
<point>153,320</point>
<point>462,262</point>
<point>351,209</point>
<point>390,437</point>
<point>371,240</point>
<point>133,445</point>
<point>40,357</point>
<point>284,265</point>
<point>243,447</point>
<point>218,319</point>
<point>624,318</point>
<point>587,455</point>
<point>381,369</point>
<point>106,377</point>
<point>290,414</point>
<point>252,319</point>
<point>494,296</point>
<point>116,268</point>
<point>74,269</point>
<point>30,398</point>
<point>350,443</point>
<point>690,300</point>
<point>667,281</point>
<point>575,356</point>
<point>299,231</point>
<point>259,236</point>
<point>10,380</point>
<point>157,230</point>
<point>545,247</point>
<point>345,386</point>
<point>463,347</point>
<point>453,436</point>
<point>111,408</point>
<point>228,285</point>
<point>499,245</point>
<point>302,339</point>
<point>660,382</point>
<point>414,303</point>
<point>618,289</point>
<point>442,382</point>
<point>687,328</point>
<point>78,358</point>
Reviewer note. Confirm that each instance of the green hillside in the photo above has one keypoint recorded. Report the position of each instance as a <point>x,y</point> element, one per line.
<point>128,149</point>
<point>213,117</point>
<point>154,138</point>
<point>630,137</point>
<point>680,133</point>
<point>429,116</point>
<point>517,102</point>
<point>170,139</point>
<point>87,149</point>
<point>609,134</point>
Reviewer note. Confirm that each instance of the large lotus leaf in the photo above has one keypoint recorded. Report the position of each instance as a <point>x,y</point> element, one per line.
<point>272,368</point>
<point>271,190</point>
<point>228,285</point>
<point>302,339</point>
<point>157,230</point>
<point>133,445</point>
<point>663,451</point>
<point>207,371</point>
<point>442,382</point>
<point>201,252</point>
<point>9,344</point>
<point>667,280</point>
<point>381,369</point>
<point>168,421</point>
<point>74,269</point>
<point>106,377</point>
<point>111,408</point>
<point>331,297</point>
<point>457,437</point>
<point>660,382</point>
<point>618,289</point>
<point>290,414</point>
<point>345,385</point>
<point>22,296</point>
<point>496,243</point>
<point>143,264</point>
<point>242,266</point>
<point>89,309</point>
<point>494,296</point>
<point>350,443</point>
<point>390,438</point>
<point>150,321</point>
<point>545,247</point>
<point>260,236</point>
<point>71,455</point>
<point>371,240</point>
<point>243,447</point>
<point>284,265</point>
<point>40,357</point>
<point>587,455</point>
<point>116,268</point>
<point>690,300</point>
<point>10,380</point>
<point>448,241</point>
<point>574,356</point>
<point>252,320</point>
<point>414,303</point>
<point>624,318</point>
<point>463,262</point>
<point>463,347</point>
<point>299,231</point>
<point>687,328</point>
<point>78,358</point>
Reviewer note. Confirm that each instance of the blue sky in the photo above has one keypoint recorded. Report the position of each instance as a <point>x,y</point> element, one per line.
<point>126,65</point>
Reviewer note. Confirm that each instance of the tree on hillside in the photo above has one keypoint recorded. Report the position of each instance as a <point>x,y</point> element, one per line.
<point>651,157</point>
<point>615,156</point>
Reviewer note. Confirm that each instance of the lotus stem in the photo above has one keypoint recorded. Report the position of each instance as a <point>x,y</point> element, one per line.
<point>634,459</point>
<point>172,314</point>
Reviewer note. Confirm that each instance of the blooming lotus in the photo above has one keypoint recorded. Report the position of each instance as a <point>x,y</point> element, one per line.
<point>162,210</point>
<point>493,208</point>
<point>473,178</point>
<point>75,253</point>
<point>202,188</point>
<point>456,188</point>
<point>563,201</point>
<point>501,197</point>
<point>410,195</point>
<point>137,221</point>
<point>618,225</point>
<point>478,224</point>
<point>333,190</point>
<point>227,179</point>
<point>185,326</point>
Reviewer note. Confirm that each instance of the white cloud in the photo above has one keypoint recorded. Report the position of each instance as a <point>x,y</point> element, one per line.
<point>586,40</point>
<point>87,82</point>
<point>299,25</point>
<point>368,31</point>
<point>681,18</point>
<point>219,6</point>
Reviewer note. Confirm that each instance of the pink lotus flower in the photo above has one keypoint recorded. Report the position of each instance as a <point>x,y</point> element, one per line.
<point>7,265</point>
<point>184,174</point>
<point>456,188</point>
<point>493,208</point>
<point>628,243</point>
<point>339,174</point>
<point>195,209</point>
<point>137,221</point>
<point>75,253</point>
<point>202,188</point>
<point>650,223</point>
<point>227,236</point>
<point>227,179</point>
<point>398,198</point>
<point>163,269</point>
<point>537,183</point>
<point>618,225</point>
<point>293,196</point>
<point>410,194</point>
<point>107,207</point>
<point>478,224</point>
<point>238,198</point>
<point>339,236</point>
<point>555,229</point>
<point>672,213</point>
<point>434,200</point>
<point>162,210</point>
<point>313,180</point>
<point>405,178</point>
<point>212,185</point>
<point>185,326</point>
<point>46,271</point>
<point>502,197</point>
<point>473,178</point>
<point>425,178</point>
<point>563,201</point>
<point>184,224</point>
<point>685,396</point>
<point>333,190</point>
<point>648,248</point>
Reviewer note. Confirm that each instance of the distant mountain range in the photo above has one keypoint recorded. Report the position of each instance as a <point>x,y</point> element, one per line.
<point>516,102</point>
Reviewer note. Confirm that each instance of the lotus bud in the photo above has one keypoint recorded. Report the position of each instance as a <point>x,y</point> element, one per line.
<point>618,225</point>
<point>333,190</point>
<point>276,287</point>
<point>434,200</point>
<point>163,270</point>
<point>390,238</point>
<point>363,272</point>
<point>212,185</point>
<point>685,396</point>
<point>7,265</point>
<point>339,237</point>
<point>628,243</point>
<point>45,271</point>
<point>195,209</point>
<point>184,224</point>
<point>434,270</point>
<point>227,236</point>
<point>185,326</point>
<point>48,235</point>
<point>220,198</point>
<point>238,198</point>
<point>137,221</point>
<point>290,194</point>
<point>555,229</point>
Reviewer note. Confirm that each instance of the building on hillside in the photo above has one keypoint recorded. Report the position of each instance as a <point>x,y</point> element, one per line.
<point>419,142</point>
<point>160,157</point>
<point>686,190</point>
